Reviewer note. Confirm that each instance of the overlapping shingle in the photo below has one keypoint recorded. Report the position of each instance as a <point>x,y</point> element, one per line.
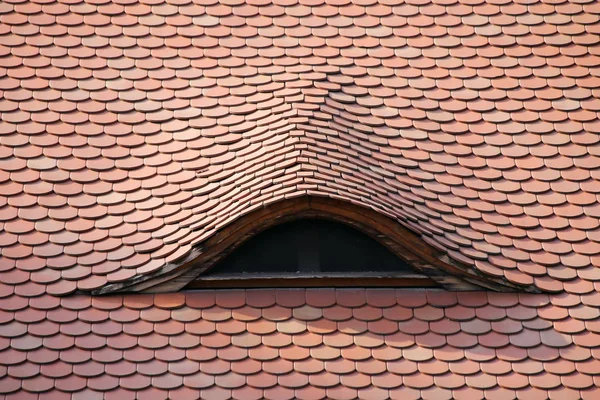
<point>313,343</point>
<point>132,131</point>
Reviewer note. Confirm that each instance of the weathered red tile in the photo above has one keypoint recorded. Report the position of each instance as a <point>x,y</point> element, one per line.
<point>401,113</point>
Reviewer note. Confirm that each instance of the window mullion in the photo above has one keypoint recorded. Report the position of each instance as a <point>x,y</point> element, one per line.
<point>308,250</point>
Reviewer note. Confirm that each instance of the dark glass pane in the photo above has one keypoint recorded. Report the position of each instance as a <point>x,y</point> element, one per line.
<point>345,249</point>
<point>271,251</point>
<point>310,247</point>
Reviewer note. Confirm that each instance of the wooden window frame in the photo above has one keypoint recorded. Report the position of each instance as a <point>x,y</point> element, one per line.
<point>274,281</point>
<point>314,249</point>
<point>427,260</point>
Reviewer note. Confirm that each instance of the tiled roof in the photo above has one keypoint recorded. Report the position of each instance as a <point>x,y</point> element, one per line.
<point>305,344</point>
<point>131,132</point>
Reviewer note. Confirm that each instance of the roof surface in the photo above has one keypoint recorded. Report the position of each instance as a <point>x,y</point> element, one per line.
<point>306,344</point>
<point>131,132</point>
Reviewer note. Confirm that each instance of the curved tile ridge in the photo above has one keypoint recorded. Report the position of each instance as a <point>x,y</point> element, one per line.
<point>129,132</point>
<point>215,246</point>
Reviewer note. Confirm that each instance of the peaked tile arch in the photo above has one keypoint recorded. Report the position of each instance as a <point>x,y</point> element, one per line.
<point>123,123</point>
<point>131,131</point>
<point>425,260</point>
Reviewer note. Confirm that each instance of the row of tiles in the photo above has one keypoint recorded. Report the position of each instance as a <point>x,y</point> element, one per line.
<point>221,20</point>
<point>339,319</point>
<point>567,317</point>
<point>62,379</point>
<point>272,363</point>
<point>297,298</point>
<point>299,9</point>
<point>85,363</point>
<point>310,392</point>
<point>291,364</point>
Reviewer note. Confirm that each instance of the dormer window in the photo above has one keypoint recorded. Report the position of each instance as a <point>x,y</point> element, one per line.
<point>312,241</point>
<point>311,252</point>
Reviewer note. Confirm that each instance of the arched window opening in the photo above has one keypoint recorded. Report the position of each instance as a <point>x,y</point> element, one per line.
<point>312,241</point>
<point>311,252</point>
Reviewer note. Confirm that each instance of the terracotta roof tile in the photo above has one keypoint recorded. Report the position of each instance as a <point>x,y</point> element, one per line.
<point>133,132</point>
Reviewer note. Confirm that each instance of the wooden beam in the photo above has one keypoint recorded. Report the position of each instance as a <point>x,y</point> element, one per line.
<point>301,282</point>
